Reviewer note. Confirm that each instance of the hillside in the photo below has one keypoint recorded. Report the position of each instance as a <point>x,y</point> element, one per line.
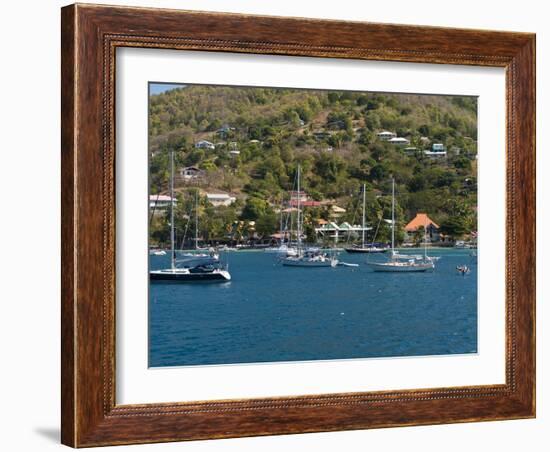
<point>258,136</point>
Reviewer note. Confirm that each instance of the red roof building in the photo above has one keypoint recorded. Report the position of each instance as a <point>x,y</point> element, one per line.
<point>421,220</point>
<point>308,203</point>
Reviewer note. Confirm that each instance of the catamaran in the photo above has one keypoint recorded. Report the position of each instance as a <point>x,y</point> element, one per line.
<point>365,248</point>
<point>400,262</point>
<point>304,257</point>
<point>199,269</point>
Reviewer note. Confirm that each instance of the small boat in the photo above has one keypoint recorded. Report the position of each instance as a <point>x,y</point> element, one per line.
<point>202,253</point>
<point>310,259</point>
<point>463,269</point>
<point>402,263</point>
<point>196,268</point>
<point>366,249</point>
<point>157,252</point>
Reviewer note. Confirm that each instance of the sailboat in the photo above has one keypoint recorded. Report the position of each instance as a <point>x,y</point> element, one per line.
<point>205,269</point>
<point>365,248</point>
<point>304,257</point>
<point>400,262</point>
<point>198,251</point>
<point>283,249</point>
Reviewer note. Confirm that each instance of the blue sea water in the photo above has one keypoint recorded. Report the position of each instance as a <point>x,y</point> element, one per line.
<point>271,313</point>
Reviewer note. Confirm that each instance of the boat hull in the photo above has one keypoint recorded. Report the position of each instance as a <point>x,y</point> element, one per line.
<point>366,250</point>
<point>311,264</point>
<point>185,277</point>
<point>389,267</point>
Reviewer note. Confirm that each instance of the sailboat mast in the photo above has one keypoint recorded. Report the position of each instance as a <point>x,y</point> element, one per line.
<point>298,220</point>
<point>392,214</point>
<point>197,219</point>
<point>425,239</point>
<point>172,248</point>
<point>363,229</point>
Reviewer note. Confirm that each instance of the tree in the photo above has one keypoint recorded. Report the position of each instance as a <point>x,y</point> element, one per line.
<point>254,208</point>
<point>454,226</point>
<point>378,172</point>
<point>417,183</point>
<point>267,223</point>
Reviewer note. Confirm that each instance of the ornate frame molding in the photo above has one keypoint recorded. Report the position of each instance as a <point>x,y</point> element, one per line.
<point>90,37</point>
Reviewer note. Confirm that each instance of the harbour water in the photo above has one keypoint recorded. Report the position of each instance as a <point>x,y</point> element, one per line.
<point>272,313</point>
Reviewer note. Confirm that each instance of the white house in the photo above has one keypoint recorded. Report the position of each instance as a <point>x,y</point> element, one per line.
<point>234,153</point>
<point>437,147</point>
<point>435,154</point>
<point>331,229</point>
<point>399,141</point>
<point>295,195</point>
<point>160,202</point>
<point>220,199</point>
<point>385,135</point>
<point>203,144</point>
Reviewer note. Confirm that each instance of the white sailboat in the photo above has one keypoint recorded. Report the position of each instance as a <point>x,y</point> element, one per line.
<point>304,257</point>
<point>283,249</point>
<point>365,248</point>
<point>203,270</point>
<point>198,251</point>
<point>400,262</point>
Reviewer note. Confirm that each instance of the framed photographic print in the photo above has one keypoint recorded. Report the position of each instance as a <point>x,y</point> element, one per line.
<point>278,225</point>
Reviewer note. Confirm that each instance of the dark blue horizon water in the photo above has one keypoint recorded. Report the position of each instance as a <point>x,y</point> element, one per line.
<point>271,313</point>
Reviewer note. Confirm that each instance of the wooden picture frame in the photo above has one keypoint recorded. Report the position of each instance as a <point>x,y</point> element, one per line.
<point>90,36</point>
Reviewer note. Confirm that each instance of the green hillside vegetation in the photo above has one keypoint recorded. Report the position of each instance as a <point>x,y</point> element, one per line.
<point>333,137</point>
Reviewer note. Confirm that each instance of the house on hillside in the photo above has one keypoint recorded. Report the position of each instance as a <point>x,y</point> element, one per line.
<point>225,130</point>
<point>336,211</point>
<point>422,220</point>
<point>203,144</point>
<point>435,154</point>
<point>160,202</point>
<point>298,195</point>
<point>191,173</point>
<point>306,203</point>
<point>220,199</point>
<point>385,135</point>
<point>399,141</point>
